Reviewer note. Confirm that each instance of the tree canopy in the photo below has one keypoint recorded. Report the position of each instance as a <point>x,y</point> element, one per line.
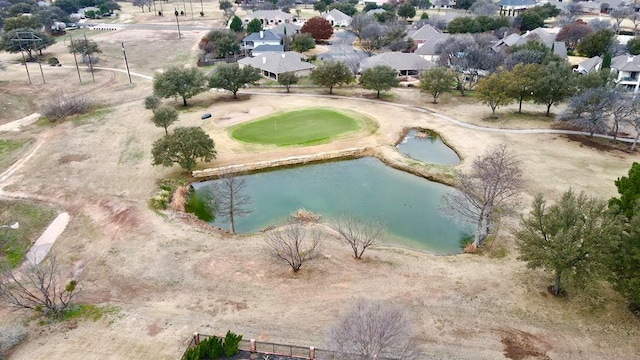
<point>596,44</point>
<point>164,116</point>
<point>379,78</point>
<point>629,189</point>
<point>319,28</point>
<point>437,81</point>
<point>178,81</point>
<point>233,78</point>
<point>27,40</point>
<point>330,74</point>
<point>571,239</point>
<point>555,86</point>
<point>493,90</point>
<point>183,147</point>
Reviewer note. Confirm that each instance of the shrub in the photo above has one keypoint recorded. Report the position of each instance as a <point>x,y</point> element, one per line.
<point>160,200</point>
<point>231,343</point>
<point>211,348</point>
<point>10,336</point>
<point>53,61</point>
<point>63,105</point>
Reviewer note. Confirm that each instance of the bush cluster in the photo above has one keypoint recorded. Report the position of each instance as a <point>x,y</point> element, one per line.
<point>63,105</point>
<point>214,347</point>
<point>161,199</point>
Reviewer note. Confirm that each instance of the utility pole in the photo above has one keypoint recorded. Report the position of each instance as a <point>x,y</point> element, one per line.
<point>126,63</point>
<point>177,23</point>
<point>86,43</point>
<point>75,58</point>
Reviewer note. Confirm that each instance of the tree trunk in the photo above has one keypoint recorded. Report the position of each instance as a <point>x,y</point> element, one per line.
<point>235,96</point>
<point>330,89</point>
<point>184,101</point>
<point>556,285</point>
<point>288,88</point>
<point>635,142</point>
<point>435,99</point>
<point>166,132</point>
<point>232,224</point>
<point>378,95</point>
<point>548,109</point>
<point>520,106</point>
<point>615,131</point>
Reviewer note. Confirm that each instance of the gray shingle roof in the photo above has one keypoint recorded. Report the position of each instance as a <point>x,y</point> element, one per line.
<point>626,63</point>
<point>397,60</point>
<point>265,35</point>
<point>517,3</point>
<point>291,29</point>
<point>268,48</point>
<point>268,14</point>
<point>338,15</point>
<point>278,63</point>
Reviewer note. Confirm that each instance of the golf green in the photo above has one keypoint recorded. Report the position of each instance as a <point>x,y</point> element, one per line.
<point>301,127</point>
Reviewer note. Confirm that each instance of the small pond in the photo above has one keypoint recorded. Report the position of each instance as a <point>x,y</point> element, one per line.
<point>428,147</point>
<point>365,187</point>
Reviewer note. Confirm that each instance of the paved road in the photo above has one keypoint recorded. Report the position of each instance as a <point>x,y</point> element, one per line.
<point>342,48</point>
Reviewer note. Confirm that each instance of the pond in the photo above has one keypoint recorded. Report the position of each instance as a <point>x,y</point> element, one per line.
<point>364,187</point>
<point>428,147</point>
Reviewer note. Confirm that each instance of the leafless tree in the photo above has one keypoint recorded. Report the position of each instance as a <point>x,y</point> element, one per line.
<point>492,186</point>
<point>294,244</point>
<point>619,14</point>
<point>484,7</point>
<point>62,105</point>
<point>38,287</point>
<point>635,18</point>
<point>231,198</point>
<point>373,329</point>
<point>359,22</point>
<point>590,110</point>
<point>372,38</point>
<point>353,62</point>
<point>623,110</point>
<point>569,14</point>
<point>634,119</point>
<point>358,234</point>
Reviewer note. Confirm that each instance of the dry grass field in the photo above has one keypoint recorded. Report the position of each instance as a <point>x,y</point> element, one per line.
<point>161,278</point>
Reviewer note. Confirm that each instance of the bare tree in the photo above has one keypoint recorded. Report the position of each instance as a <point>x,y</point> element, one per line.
<point>39,287</point>
<point>619,14</point>
<point>373,329</point>
<point>232,199</point>
<point>372,38</point>
<point>590,110</point>
<point>358,234</point>
<point>635,18</point>
<point>492,186</point>
<point>293,244</point>
<point>623,109</point>
<point>634,119</point>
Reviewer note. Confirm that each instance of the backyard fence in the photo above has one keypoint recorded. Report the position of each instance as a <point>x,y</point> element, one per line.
<point>275,349</point>
<point>293,160</point>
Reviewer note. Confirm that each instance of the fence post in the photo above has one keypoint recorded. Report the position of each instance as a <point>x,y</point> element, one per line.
<point>252,345</point>
<point>196,337</point>
<point>312,352</point>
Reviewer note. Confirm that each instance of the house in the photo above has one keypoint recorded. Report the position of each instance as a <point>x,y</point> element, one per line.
<point>269,17</point>
<point>544,36</point>
<point>406,64</point>
<point>337,18</point>
<point>261,49</point>
<point>626,68</point>
<point>515,7</point>
<point>273,64</point>
<point>427,39</point>
<point>264,37</point>
<point>286,29</point>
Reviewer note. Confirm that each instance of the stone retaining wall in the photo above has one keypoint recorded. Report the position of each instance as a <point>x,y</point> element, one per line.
<point>293,160</point>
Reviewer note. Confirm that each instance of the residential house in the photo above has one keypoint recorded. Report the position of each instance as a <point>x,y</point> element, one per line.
<point>542,35</point>
<point>337,18</point>
<point>269,17</point>
<point>286,28</point>
<point>427,39</point>
<point>264,37</point>
<point>626,68</point>
<point>515,7</point>
<point>273,64</point>
<point>406,64</point>
<point>262,49</point>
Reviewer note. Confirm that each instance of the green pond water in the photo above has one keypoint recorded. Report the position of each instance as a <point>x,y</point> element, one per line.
<point>364,187</point>
<point>431,149</point>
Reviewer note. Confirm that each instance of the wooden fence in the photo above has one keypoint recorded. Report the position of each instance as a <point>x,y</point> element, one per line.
<point>275,349</point>
<point>292,160</point>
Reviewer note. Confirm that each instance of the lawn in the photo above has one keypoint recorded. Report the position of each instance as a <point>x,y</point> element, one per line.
<point>302,127</point>
<point>33,219</point>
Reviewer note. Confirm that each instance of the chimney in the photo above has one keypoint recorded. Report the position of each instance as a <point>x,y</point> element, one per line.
<point>630,58</point>
<point>264,59</point>
<point>261,34</point>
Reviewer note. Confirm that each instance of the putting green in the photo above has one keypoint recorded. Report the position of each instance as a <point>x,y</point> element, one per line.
<point>301,127</point>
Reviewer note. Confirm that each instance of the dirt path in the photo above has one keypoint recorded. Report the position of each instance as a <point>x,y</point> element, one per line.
<point>17,125</point>
<point>41,247</point>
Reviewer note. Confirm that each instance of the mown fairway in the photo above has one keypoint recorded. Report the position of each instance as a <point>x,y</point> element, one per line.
<point>302,127</point>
